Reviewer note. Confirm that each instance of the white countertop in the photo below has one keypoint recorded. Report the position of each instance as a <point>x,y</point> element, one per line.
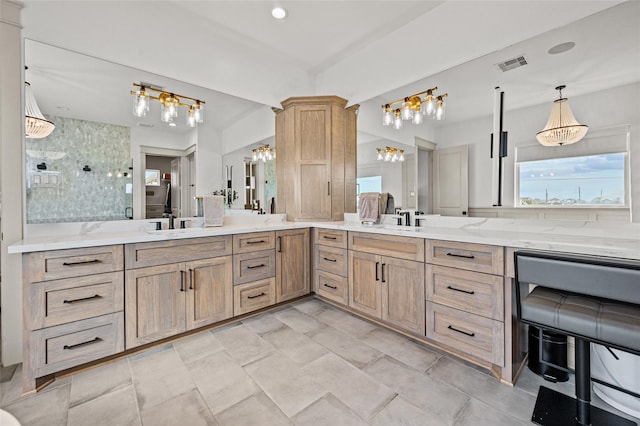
<point>595,238</point>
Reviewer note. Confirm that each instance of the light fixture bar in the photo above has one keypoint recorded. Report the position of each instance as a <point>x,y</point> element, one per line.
<point>413,107</point>
<point>170,102</point>
<point>179,96</point>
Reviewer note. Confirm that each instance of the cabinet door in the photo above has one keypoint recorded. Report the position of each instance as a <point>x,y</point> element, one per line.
<point>154,303</point>
<point>364,283</point>
<point>292,264</point>
<point>209,292</point>
<point>403,302</point>
<point>313,131</point>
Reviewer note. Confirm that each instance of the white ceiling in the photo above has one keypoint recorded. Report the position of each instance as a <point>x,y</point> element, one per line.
<point>234,54</point>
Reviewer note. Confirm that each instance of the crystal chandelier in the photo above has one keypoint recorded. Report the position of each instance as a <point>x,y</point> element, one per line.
<point>36,125</point>
<point>390,154</point>
<point>414,108</point>
<point>264,153</point>
<point>562,127</point>
<point>170,102</point>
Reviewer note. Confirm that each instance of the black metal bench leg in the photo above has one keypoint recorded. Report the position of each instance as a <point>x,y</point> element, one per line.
<point>583,382</point>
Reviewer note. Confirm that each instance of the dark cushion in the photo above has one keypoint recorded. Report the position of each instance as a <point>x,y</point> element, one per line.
<point>594,318</point>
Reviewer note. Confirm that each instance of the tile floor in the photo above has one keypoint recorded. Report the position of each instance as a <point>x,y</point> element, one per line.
<point>305,364</point>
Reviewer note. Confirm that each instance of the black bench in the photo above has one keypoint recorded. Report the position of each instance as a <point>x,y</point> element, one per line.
<point>593,299</point>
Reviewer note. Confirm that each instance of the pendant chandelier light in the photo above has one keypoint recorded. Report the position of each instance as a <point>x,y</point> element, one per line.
<point>264,153</point>
<point>390,154</point>
<point>414,108</point>
<point>36,125</point>
<point>170,102</point>
<point>562,127</point>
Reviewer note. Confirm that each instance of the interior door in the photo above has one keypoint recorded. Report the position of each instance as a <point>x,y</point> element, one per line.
<point>451,181</point>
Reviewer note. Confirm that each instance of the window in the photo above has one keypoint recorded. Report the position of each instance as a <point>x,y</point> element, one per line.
<point>591,173</point>
<point>587,180</point>
<point>152,177</point>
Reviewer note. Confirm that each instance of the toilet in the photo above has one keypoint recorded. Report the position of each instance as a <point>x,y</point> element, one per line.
<point>623,372</point>
<point>6,419</point>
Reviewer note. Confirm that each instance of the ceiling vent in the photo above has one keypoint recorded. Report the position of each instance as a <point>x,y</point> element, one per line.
<point>510,64</point>
<point>144,125</point>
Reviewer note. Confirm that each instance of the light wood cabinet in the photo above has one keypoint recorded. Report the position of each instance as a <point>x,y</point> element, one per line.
<point>389,289</point>
<point>316,162</point>
<point>465,298</point>
<point>165,300</point>
<point>255,295</point>
<point>331,265</point>
<point>73,309</point>
<point>292,264</point>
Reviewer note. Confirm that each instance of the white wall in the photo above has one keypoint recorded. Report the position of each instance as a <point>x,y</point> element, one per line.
<point>11,178</point>
<point>255,126</point>
<point>598,110</point>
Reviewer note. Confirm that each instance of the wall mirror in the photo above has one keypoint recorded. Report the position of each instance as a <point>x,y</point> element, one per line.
<point>92,166</point>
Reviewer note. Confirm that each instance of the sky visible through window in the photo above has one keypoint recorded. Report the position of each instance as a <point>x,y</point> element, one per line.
<point>589,180</point>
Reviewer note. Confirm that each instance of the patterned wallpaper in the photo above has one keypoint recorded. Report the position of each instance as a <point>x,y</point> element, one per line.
<point>64,192</point>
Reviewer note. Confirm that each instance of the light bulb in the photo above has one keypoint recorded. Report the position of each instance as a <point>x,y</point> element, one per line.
<point>198,112</point>
<point>140,103</point>
<point>440,110</point>
<point>119,174</point>
<point>109,174</point>
<point>379,157</point>
<point>397,122</point>
<point>255,155</point>
<point>417,118</point>
<point>407,112</point>
<point>429,105</point>
<point>401,157</point>
<point>191,118</point>
<point>387,116</point>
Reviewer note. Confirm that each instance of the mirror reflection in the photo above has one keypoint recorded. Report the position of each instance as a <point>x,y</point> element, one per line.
<point>92,167</point>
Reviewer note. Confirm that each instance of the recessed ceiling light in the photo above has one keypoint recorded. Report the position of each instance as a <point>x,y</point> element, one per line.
<point>561,48</point>
<point>279,12</point>
<point>172,124</point>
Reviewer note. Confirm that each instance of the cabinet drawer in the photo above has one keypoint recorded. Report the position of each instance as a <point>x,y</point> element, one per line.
<point>388,245</point>
<point>140,255</point>
<point>477,336</point>
<point>474,257</point>
<point>249,267</point>
<point>72,299</point>
<point>55,264</point>
<point>64,346</point>
<point>477,293</point>
<point>330,259</point>
<point>332,287</point>
<point>330,237</point>
<point>253,296</point>
<point>255,241</point>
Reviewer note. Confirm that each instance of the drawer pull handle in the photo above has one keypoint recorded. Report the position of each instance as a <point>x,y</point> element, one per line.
<point>192,275</point>
<point>460,331</point>
<point>182,281</point>
<point>257,295</point>
<point>279,244</point>
<point>256,266</point>
<point>460,290</point>
<point>82,299</point>
<point>79,345</point>
<point>332,287</point>
<point>466,256</point>
<point>330,260</point>
<point>377,277</point>
<point>329,238</point>
<point>256,242</point>
<point>383,265</point>
<point>82,262</point>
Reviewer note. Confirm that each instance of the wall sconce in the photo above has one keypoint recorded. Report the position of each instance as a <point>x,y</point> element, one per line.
<point>390,154</point>
<point>264,153</point>
<point>169,104</point>
<point>86,168</point>
<point>414,108</point>
<point>562,127</point>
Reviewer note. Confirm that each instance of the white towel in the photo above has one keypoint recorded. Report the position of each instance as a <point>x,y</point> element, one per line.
<point>370,207</point>
<point>213,206</point>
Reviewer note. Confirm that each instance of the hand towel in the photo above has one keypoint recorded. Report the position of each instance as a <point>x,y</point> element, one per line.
<point>369,207</point>
<point>213,206</point>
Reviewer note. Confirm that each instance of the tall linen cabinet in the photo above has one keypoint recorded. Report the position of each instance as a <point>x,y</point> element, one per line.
<point>316,158</point>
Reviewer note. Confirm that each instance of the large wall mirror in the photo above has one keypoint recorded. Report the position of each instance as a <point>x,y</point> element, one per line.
<point>92,166</point>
